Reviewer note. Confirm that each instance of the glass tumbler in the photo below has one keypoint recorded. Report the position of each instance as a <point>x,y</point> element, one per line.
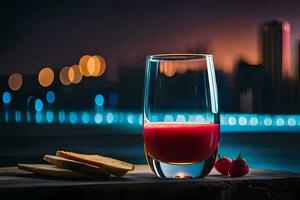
<point>181,117</point>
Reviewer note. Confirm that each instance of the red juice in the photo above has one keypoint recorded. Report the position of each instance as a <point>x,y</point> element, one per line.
<point>181,143</point>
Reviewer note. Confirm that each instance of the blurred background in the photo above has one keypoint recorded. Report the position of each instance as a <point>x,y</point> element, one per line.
<point>72,75</point>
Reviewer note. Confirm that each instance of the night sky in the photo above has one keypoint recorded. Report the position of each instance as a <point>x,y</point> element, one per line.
<point>35,34</point>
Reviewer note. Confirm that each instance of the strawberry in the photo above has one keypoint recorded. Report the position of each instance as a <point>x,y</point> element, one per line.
<point>223,165</point>
<point>239,167</point>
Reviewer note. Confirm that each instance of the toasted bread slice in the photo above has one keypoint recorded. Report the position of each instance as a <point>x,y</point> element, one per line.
<point>75,165</point>
<point>114,166</point>
<point>51,170</point>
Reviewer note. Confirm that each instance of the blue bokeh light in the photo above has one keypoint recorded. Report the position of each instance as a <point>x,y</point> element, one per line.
<point>98,118</point>
<point>110,117</point>
<point>6,97</point>
<point>49,116</point>
<point>113,98</point>
<point>85,117</point>
<point>38,105</point>
<point>73,117</point>
<point>243,121</point>
<point>140,119</point>
<point>61,116</point>
<point>18,116</point>
<point>50,96</point>
<point>38,117</point>
<point>99,100</point>
<point>130,118</point>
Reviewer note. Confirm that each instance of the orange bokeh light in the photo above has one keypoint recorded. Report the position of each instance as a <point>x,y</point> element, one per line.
<point>74,74</point>
<point>64,76</point>
<point>83,65</point>
<point>15,81</point>
<point>46,77</point>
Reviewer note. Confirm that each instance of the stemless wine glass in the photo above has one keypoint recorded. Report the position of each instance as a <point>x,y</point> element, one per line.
<point>181,117</point>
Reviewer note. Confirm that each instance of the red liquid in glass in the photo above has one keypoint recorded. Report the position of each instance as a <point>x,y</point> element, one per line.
<point>181,143</point>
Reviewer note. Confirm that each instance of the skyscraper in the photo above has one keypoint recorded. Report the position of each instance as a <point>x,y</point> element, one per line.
<point>276,51</point>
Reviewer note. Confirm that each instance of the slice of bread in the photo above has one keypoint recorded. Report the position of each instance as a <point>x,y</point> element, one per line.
<point>51,170</point>
<point>76,166</point>
<point>114,166</point>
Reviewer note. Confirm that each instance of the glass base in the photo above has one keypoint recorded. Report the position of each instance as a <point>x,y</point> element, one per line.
<point>195,170</point>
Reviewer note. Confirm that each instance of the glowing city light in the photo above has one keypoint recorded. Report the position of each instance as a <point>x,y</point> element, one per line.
<point>74,74</point>
<point>268,121</point>
<point>110,117</point>
<point>291,122</point>
<point>46,77</point>
<point>98,118</point>
<point>130,118</point>
<point>50,96</point>
<point>63,76</point>
<point>15,81</point>
<point>253,121</point>
<point>49,116</point>
<point>73,117</point>
<point>85,117</point>
<point>113,98</point>
<point>243,121</point>
<point>61,116</point>
<point>38,117</point>
<point>231,121</point>
<point>18,116</point>
<point>99,100</point>
<point>83,65</point>
<point>6,97</point>
<point>102,66</point>
<point>38,105</point>
<point>280,122</point>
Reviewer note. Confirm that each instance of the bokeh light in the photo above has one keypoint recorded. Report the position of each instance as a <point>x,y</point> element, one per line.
<point>83,67</point>
<point>243,121</point>
<point>50,96</point>
<point>102,66</point>
<point>64,76</point>
<point>15,81</point>
<point>268,121</point>
<point>6,97</point>
<point>98,118</point>
<point>18,116</point>
<point>113,98</point>
<point>74,74</point>
<point>61,116</point>
<point>93,66</point>
<point>38,105</point>
<point>253,121</point>
<point>232,121</point>
<point>49,116</point>
<point>38,117</point>
<point>46,77</point>
<point>85,117</point>
<point>110,117</point>
<point>99,100</point>
<point>73,117</point>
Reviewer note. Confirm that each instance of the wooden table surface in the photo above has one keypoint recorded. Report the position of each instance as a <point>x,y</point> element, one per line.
<point>142,184</point>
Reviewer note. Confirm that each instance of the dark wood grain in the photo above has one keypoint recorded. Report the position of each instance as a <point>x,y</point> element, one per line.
<point>141,184</point>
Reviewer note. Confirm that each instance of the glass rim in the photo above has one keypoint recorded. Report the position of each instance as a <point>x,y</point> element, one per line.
<point>178,57</point>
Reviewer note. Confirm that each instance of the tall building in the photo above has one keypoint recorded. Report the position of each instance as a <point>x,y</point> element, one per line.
<point>276,51</point>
